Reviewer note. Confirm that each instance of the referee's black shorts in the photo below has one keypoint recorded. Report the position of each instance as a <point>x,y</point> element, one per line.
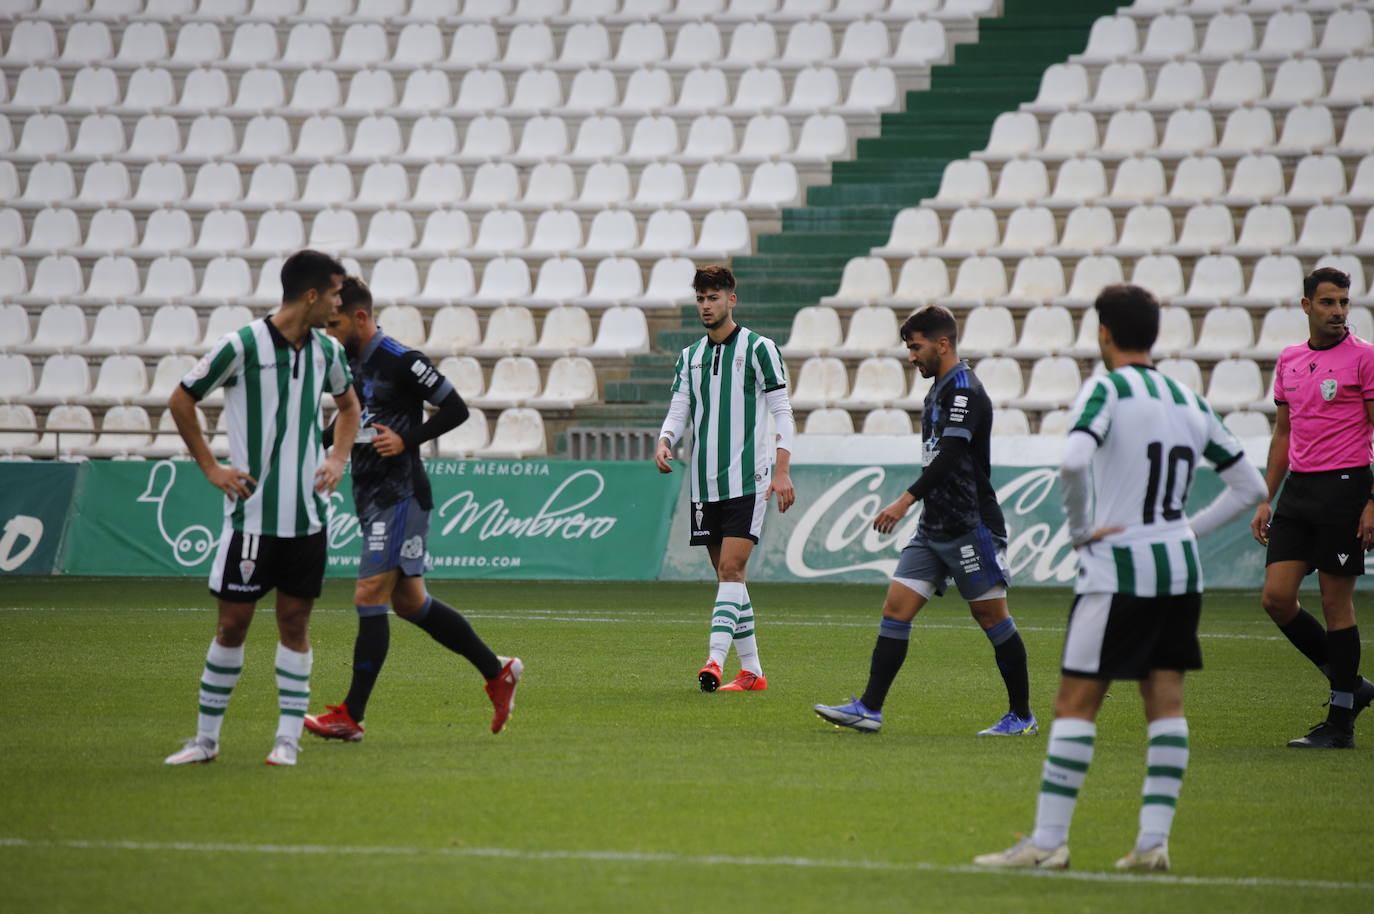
<point>1317,521</point>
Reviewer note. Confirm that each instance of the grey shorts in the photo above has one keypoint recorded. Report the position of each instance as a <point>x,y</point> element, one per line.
<point>977,561</point>
<point>396,536</point>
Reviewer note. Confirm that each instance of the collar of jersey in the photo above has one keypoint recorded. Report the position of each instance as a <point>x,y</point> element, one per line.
<point>372,345</point>
<point>281,342</point>
<point>1347,336</point>
<point>728,340</point>
<point>962,365</point>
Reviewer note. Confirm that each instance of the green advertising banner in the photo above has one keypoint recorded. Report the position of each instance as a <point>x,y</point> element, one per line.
<point>35,500</point>
<point>828,534</point>
<point>524,519</point>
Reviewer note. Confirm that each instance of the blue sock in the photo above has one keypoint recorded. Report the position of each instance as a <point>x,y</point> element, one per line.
<point>1010,652</point>
<point>889,653</point>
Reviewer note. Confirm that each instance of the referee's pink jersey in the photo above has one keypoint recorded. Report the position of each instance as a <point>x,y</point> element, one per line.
<point>1326,390</point>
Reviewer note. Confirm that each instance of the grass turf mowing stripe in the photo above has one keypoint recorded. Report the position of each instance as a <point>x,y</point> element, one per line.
<point>680,859</point>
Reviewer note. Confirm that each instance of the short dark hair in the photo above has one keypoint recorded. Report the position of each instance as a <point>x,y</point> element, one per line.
<point>355,295</point>
<point>713,277</point>
<point>1131,314</point>
<point>306,270</point>
<point>932,322</point>
<point>1324,274</point>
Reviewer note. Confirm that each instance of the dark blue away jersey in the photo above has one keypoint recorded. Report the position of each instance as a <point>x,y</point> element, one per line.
<point>958,406</point>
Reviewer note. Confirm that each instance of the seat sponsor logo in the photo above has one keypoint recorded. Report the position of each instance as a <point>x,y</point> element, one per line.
<point>191,545</point>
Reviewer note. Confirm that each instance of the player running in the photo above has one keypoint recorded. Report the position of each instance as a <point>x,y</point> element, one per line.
<point>393,500</point>
<point>1128,466</point>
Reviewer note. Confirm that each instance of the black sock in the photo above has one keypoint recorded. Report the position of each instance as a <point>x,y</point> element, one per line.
<point>447,626</point>
<point>1011,662</point>
<point>369,653</point>
<point>1343,651</point>
<point>1308,636</point>
<point>889,653</point>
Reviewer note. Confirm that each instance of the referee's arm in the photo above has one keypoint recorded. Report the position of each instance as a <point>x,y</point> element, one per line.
<point>1275,469</point>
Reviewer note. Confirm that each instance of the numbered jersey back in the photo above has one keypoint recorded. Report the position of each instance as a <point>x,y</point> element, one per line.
<point>1151,434</point>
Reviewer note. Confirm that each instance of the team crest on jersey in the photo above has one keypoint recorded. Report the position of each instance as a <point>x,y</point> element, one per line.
<point>246,568</point>
<point>1328,388</point>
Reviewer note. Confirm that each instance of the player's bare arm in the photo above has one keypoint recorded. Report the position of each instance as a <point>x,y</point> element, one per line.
<point>782,481</point>
<point>662,455</point>
<point>345,428</point>
<point>890,516</point>
<point>231,481</point>
<point>1275,469</point>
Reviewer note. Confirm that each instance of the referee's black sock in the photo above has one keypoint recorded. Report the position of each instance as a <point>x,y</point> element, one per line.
<point>369,653</point>
<point>889,653</point>
<point>1308,636</point>
<point>1010,652</point>
<point>1343,649</point>
<point>447,626</point>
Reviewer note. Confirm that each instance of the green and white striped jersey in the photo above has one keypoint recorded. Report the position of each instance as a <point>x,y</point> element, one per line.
<point>1150,432</point>
<point>273,395</point>
<point>726,384</point>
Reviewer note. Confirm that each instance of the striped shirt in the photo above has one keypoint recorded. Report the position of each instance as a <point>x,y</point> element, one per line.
<point>1150,431</point>
<point>725,383</point>
<point>272,395</point>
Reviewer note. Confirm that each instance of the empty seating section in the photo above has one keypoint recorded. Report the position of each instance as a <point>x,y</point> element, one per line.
<point>527,186</point>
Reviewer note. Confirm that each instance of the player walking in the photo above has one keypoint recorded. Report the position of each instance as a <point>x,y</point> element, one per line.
<point>393,500</point>
<point>274,372</point>
<point>961,534</point>
<point>724,383</point>
<point>1128,466</point>
<point>1324,389</point>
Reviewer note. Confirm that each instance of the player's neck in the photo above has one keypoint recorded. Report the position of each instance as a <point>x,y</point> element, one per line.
<point>291,323</point>
<point>722,333</point>
<point>1121,358</point>
<point>1321,341</point>
<point>947,364</point>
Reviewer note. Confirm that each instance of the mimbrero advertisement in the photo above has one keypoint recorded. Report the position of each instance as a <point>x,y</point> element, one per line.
<point>491,519</point>
<point>550,519</point>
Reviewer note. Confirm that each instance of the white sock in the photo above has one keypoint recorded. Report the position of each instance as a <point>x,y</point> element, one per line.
<point>1165,760</point>
<point>730,599</point>
<point>223,665</point>
<point>1066,765</point>
<point>746,645</point>
<point>293,690</point>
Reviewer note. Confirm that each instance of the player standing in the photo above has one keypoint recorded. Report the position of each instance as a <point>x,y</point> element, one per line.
<point>1128,466</point>
<point>1324,389</point>
<point>274,372</point>
<point>393,499</point>
<point>962,533</point>
<point>723,383</point>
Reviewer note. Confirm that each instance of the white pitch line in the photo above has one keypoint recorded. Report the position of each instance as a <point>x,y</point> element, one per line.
<point>680,859</point>
<point>548,615</point>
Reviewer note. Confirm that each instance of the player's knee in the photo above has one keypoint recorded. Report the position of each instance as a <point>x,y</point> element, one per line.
<point>1281,607</point>
<point>730,572</point>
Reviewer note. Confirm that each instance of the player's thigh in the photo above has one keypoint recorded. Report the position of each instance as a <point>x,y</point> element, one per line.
<point>376,590</point>
<point>1162,692</point>
<point>233,621</point>
<point>1282,578</point>
<point>902,602</point>
<point>394,537</point>
<point>734,552</point>
<point>988,613</point>
<point>408,595</point>
<point>921,569</point>
<point>1080,696</point>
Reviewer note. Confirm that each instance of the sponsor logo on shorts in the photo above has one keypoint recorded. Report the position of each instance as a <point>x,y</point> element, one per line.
<point>1342,557</point>
<point>239,587</point>
<point>376,537</point>
<point>413,548</point>
<point>968,559</point>
<point>246,569</point>
<point>1328,388</point>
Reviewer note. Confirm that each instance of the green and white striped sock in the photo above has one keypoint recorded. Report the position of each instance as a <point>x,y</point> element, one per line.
<point>746,645</point>
<point>730,600</point>
<point>1066,765</point>
<point>1166,760</point>
<point>223,665</point>
<point>293,690</point>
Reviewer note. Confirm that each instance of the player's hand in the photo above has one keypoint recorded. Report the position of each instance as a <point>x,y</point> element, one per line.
<point>782,484</point>
<point>1099,534</point>
<point>327,476</point>
<point>387,443</point>
<point>663,454</point>
<point>1366,531</point>
<point>889,517</point>
<point>232,482</point>
<point>1259,524</point>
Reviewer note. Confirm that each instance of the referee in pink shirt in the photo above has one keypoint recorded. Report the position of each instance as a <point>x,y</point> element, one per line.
<point>1324,389</point>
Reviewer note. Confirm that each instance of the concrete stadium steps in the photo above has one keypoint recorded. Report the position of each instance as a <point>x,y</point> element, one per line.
<point>900,167</point>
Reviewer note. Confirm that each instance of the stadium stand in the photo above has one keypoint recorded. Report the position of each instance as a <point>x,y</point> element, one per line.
<point>526,186</point>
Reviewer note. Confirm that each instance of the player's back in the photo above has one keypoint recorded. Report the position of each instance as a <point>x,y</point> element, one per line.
<point>1152,433</point>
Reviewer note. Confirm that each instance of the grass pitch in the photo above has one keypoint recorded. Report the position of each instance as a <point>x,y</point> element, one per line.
<point>618,786</point>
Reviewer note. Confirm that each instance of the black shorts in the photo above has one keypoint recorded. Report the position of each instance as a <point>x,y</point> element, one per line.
<point>247,566</point>
<point>1119,636</point>
<point>1317,521</point>
<point>712,521</point>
